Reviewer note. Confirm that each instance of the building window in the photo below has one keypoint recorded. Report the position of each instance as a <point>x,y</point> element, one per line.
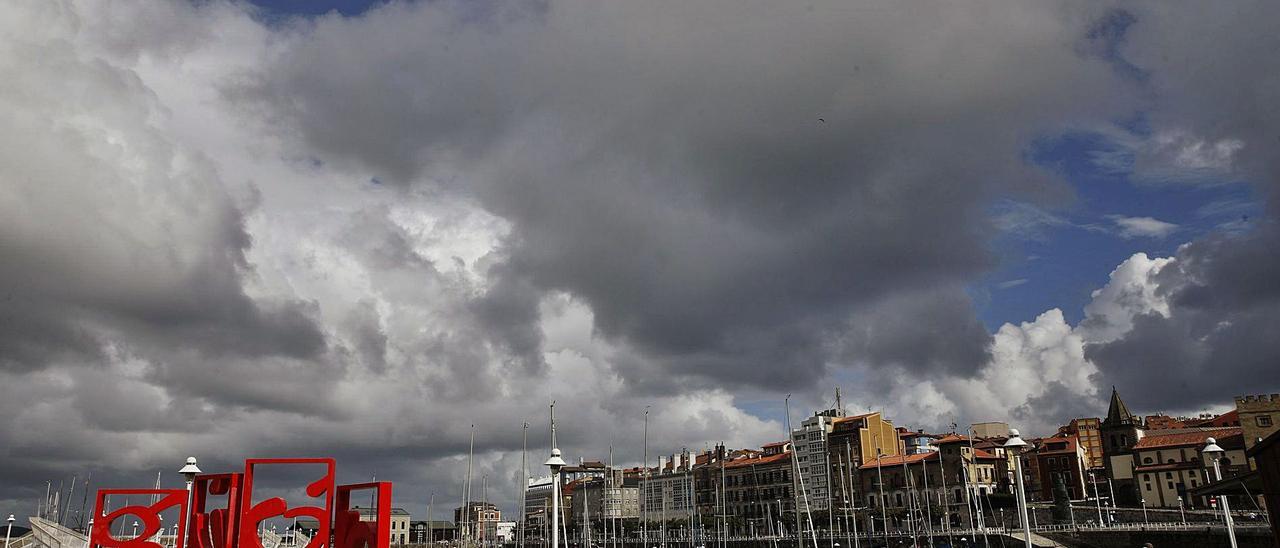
<point>1263,420</point>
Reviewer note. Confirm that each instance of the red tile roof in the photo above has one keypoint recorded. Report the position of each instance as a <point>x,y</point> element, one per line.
<point>1070,446</point>
<point>1187,438</point>
<point>897,460</point>
<point>854,417</point>
<point>1225,420</point>
<point>951,438</point>
<point>758,461</point>
<point>774,444</point>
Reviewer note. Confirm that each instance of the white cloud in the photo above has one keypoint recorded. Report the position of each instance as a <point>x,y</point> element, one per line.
<point>1038,376</point>
<point>1170,156</point>
<point>1142,227</point>
<point>1011,283</point>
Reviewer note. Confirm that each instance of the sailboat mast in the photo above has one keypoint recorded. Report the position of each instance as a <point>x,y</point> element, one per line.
<point>524,482</point>
<point>644,484</point>
<point>466,506</point>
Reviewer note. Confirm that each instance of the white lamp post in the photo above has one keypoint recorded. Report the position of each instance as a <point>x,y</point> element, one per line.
<point>188,472</point>
<point>555,463</point>
<point>1214,453</point>
<point>8,530</point>
<point>1181,512</point>
<point>1144,511</point>
<point>135,529</point>
<point>1015,445</point>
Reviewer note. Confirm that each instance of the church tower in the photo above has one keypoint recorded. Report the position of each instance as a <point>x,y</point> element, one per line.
<point>1120,431</point>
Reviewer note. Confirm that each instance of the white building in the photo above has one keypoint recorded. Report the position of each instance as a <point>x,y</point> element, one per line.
<point>505,532</point>
<point>399,523</point>
<point>810,445</point>
<point>615,497</point>
<point>667,493</point>
<point>537,500</point>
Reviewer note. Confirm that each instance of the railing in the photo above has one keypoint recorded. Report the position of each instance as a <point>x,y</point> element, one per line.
<point>51,535</point>
<point>823,537</point>
<point>25,541</point>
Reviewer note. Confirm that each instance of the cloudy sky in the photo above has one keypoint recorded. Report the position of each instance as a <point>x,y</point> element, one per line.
<point>356,229</point>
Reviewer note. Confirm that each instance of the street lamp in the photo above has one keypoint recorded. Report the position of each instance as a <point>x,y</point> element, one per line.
<point>555,463</point>
<point>8,530</point>
<point>1015,445</point>
<point>1181,512</point>
<point>135,529</point>
<point>1214,453</point>
<point>1144,511</point>
<point>188,472</point>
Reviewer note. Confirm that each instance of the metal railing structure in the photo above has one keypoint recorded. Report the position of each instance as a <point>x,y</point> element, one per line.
<point>824,538</point>
<point>48,534</point>
<point>25,541</point>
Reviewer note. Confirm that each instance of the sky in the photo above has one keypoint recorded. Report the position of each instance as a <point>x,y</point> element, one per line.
<point>368,230</point>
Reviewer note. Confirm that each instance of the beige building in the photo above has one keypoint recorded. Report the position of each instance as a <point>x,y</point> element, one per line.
<point>1259,417</point>
<point>991,430</point>
<point>1169,465</point>
<point>946,481</point>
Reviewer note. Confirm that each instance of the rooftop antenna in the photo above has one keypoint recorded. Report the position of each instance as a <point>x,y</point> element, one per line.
<point>839,404</point>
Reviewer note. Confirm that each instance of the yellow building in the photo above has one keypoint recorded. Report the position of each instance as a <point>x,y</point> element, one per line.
<point>861,438</point>
<point>1086,431</point>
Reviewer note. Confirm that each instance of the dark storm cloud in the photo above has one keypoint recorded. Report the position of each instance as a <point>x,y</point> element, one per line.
<point>1218,339</point>
<point>725,194</point>
<point>930,331</point>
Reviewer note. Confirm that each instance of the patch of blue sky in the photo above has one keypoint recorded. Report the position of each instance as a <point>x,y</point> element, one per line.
<point>1055,258</point>
<point>278,9</point>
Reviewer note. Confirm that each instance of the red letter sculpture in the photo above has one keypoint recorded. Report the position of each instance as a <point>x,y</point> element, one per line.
<point>350,531</point>
<point>216,528</point>
<point>148,515</point>
<point>252,514</point>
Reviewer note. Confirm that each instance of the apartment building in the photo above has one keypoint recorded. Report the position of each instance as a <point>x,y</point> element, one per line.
<point>758,490</point>
<point>812,461</point>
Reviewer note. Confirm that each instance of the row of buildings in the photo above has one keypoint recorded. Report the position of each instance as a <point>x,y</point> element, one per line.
<point>842,471</point>
<point>860,472</point>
